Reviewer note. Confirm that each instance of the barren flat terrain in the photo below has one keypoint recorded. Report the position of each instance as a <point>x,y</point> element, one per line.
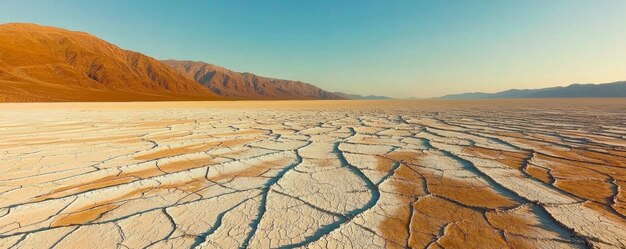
<point>534,173</point>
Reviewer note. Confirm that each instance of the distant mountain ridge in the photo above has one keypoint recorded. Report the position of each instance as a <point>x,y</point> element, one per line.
<point>356,96</point>
<point>606,90</point>
<point>228,83</point>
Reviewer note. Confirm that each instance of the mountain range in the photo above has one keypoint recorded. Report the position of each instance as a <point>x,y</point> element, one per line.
<point>606,90</point>
<point>42,63</point>
<point>48,64</point>
<point>227,83</point>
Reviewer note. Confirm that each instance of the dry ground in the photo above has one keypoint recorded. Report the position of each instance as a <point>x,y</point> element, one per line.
<point>314,174</point>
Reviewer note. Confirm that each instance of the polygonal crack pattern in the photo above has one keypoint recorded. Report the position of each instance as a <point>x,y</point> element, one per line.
<point>397,176</point>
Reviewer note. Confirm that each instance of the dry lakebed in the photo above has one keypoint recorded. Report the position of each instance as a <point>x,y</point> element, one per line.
<point>538,173</point>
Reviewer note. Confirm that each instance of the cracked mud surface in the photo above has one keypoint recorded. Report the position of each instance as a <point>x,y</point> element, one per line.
<point>331,174</point>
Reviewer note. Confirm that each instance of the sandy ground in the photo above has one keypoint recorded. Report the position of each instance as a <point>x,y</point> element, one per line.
<point>314,174</point>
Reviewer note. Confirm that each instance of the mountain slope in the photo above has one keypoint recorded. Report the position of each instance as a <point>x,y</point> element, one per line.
<point>40,63</point>
<point>227,83</point>
<point>607,90</point>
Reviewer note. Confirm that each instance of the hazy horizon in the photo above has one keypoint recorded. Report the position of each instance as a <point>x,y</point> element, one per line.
<point>413,48</point>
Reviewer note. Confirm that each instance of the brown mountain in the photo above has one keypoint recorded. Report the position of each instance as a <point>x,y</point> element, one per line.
<point>39,63</point>
<point>246,85</point>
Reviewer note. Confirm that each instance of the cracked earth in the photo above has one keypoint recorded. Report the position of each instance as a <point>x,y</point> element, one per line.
<point>314,174</point>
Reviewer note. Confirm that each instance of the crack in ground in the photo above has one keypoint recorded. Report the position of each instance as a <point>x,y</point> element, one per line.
<point>265,191</point>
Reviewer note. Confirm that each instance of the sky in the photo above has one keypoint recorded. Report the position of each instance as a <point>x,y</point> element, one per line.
<point>396,48</point>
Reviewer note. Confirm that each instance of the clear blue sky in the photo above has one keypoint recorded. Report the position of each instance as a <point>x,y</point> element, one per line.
<point>395,48</point>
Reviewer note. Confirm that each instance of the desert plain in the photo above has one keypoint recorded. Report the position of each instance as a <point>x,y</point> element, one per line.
<point>526,173</point>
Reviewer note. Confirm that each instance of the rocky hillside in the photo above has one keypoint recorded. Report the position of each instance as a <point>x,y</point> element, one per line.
<point>39,63</point>
<point>228,83</point>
